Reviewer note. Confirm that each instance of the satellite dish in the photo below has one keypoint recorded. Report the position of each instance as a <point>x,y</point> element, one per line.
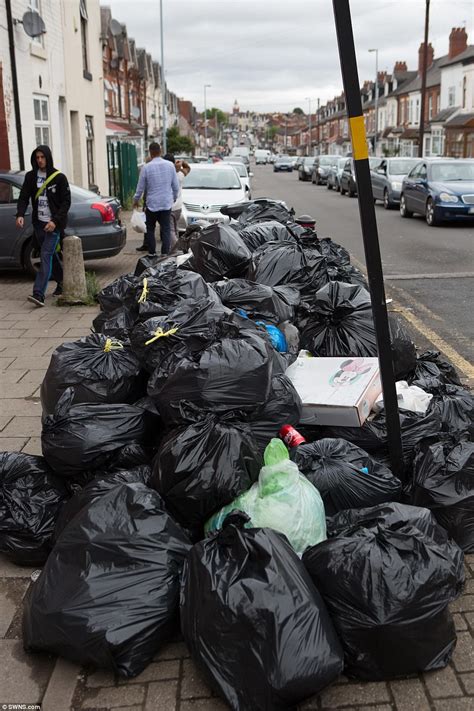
<point>33,24</point>
<point>116,28</point>
<point>135,112</point>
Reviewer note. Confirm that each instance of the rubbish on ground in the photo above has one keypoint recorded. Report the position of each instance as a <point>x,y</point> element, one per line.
<point>219,252</point>
<point>283,405</point>
<point>31,497</point>
<point>253,620</point>
<point>410,397</point>
<point>387,587</point>
<point>137,221</point>
<point>123,550</point>
<point>336,391</point>
<point>273,304</point>
<point>431,371</point>
<point>282,499</point>
<point>345,475</point>
<point>258,233</point>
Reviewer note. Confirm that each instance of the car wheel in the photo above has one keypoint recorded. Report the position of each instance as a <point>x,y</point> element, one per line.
<point>350,192</point>
<point>386,200</point>
<point>299,176</point>
<point>430,216</point>
<point>312,179</point>
<point>342,191</point>
<point>31,258</point>
<point>338,187</point>
<point>403,207</point>
<point>328,185</point>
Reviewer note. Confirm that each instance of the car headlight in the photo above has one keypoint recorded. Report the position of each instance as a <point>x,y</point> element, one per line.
<point>447,197</point>
<point>396,185</point>
<point>320,171</point>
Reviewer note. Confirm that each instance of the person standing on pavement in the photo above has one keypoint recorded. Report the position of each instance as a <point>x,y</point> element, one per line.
<point>50,195</point>
<point>182,169</point>
<point>158,180</point>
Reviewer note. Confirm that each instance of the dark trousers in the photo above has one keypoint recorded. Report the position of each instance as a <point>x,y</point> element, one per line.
<point>163,217</point>
<point>50,265</point>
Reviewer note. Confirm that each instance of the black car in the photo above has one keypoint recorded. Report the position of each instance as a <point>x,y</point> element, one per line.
<point>96,220</point>
<point>348,179</point>
<point>305,168</point>
<point>283,163</point>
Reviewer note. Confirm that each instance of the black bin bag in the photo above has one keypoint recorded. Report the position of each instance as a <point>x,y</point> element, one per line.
<point>31,498</point>
<point>345,475</point>
<point>85,438</point>
<point>254,622</point>
<point>109,592</point>
<point>166,287</point>
<point>100,369</point>
<point>455,407</point>
<point>118,294</point>
<point>443,481</point>
<point>219,252</point>
<point>387,583</point>
<point>283,407</point>
<point>204,466</point>
<point>274,304</point>
<point>259,233</point>
<point>431,371</point>
<point>286,264</point>
<point>264,210</point>
<point>115,324</point>
<point>232,374</point>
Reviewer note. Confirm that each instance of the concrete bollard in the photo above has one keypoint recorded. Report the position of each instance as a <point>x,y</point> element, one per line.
<point>74,278</point>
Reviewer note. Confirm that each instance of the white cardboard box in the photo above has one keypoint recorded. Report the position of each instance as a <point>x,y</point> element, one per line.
<point>336,391</point>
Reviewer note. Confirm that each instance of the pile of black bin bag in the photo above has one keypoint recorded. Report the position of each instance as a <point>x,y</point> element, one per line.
<point>160,418</point>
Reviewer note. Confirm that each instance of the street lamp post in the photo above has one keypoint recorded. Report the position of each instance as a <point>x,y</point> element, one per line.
<point>317,123</point>
<point>163,89</point>
<point>206,86</point>
<point>309,124</point>
<point>376,97</point>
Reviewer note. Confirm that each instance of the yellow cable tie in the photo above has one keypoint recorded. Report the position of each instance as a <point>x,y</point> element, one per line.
<point>161,334</point>
<point>144,294</point>
<point>112,345</point>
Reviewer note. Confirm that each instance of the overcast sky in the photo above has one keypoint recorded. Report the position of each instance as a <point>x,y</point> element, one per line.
<point>271,54</point>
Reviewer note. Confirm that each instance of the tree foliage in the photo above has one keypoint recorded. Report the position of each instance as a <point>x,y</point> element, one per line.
<point>221,116</point>
<point>177,143</point>
<point>298,110</point>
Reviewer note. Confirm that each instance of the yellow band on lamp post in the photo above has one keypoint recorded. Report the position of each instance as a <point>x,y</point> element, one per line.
<point>360,149</point>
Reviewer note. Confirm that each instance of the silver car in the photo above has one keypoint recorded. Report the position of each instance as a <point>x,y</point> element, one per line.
<point>334,175</point>
<point>387,179</point>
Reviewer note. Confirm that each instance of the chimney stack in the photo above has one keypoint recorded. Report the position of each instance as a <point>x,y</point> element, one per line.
<point>429,58</point>
<point>457,41</point>
<point>400,67</point>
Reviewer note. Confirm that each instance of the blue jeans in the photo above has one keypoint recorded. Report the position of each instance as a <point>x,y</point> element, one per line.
<point>50,260</point>
<point>163,217</point>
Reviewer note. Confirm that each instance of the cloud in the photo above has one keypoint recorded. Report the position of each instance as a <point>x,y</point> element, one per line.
<point>271,54</point>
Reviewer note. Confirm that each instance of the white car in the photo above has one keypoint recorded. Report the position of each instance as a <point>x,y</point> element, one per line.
<point>207,188</point>
<point>244,174</point>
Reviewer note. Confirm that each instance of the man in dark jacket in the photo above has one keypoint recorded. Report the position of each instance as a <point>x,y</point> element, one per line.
<point>48,190</point>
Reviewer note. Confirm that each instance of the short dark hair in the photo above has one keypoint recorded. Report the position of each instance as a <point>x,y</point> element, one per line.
<point>170,157</point>
<point>155,147</point>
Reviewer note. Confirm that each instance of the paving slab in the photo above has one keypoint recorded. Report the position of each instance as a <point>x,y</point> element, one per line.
<point>33,446</point>
<point>12,444</point>
<point>10,570</point>
<point>12,591</point>
<point>162,696</point>
<point>23,426</point>
<point>24,677</point>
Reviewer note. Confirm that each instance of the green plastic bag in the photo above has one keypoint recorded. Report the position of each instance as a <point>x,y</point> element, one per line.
<point>282,499</point>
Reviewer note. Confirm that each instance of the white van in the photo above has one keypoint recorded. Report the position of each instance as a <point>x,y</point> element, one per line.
<point>242,151</point>
<point>262,156</point>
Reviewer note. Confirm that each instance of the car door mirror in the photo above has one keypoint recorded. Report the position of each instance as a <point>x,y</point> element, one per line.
<point>380,171</point>
<point>250,175</point>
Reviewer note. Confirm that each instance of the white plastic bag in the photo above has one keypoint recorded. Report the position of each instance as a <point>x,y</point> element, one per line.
<point>410,397</point>
<point>138,222</point>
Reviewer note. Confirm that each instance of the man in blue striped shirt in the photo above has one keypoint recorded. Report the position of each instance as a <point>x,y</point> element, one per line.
<point>159,182</point>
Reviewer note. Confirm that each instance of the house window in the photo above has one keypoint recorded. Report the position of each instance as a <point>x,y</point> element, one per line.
<point>35,6</point>
<point>430,108</point>
<point>410,112</point>
<point>417,111</point>
<point>437,142</point>
<point>85,51</point>
<point>41,119</point>
<point>90,149</point>
<point>451,96</point>
<point>464,91</point>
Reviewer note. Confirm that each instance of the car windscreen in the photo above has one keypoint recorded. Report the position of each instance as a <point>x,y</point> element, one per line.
<point>452,171</point>
<point>402,167</point>
<point>284,159</point>
<point>308,161</point>
<point>218,179</point>
<point>326,160</point>
<point>241,169</point>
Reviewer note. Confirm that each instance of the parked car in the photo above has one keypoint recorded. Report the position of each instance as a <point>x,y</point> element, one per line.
<point>334,174</point>
<point>244,174</point>
<point>261,156</point>
<point>321,168</point>
<point>305,168</point>
<point>96,220</point>
<point>348,177</point>
<point>439,189</point>
<point>207,188</point>
<point>387,179</point>
<point>283,163</point>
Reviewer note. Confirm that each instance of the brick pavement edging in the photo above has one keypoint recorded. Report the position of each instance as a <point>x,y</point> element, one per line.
<point>171,682</point>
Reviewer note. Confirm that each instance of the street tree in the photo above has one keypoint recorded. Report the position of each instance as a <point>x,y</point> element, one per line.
<point>176,143</point>
<point>298,110</point>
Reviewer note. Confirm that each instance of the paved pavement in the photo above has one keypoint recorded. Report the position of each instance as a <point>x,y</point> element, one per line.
<point>171,683</point>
